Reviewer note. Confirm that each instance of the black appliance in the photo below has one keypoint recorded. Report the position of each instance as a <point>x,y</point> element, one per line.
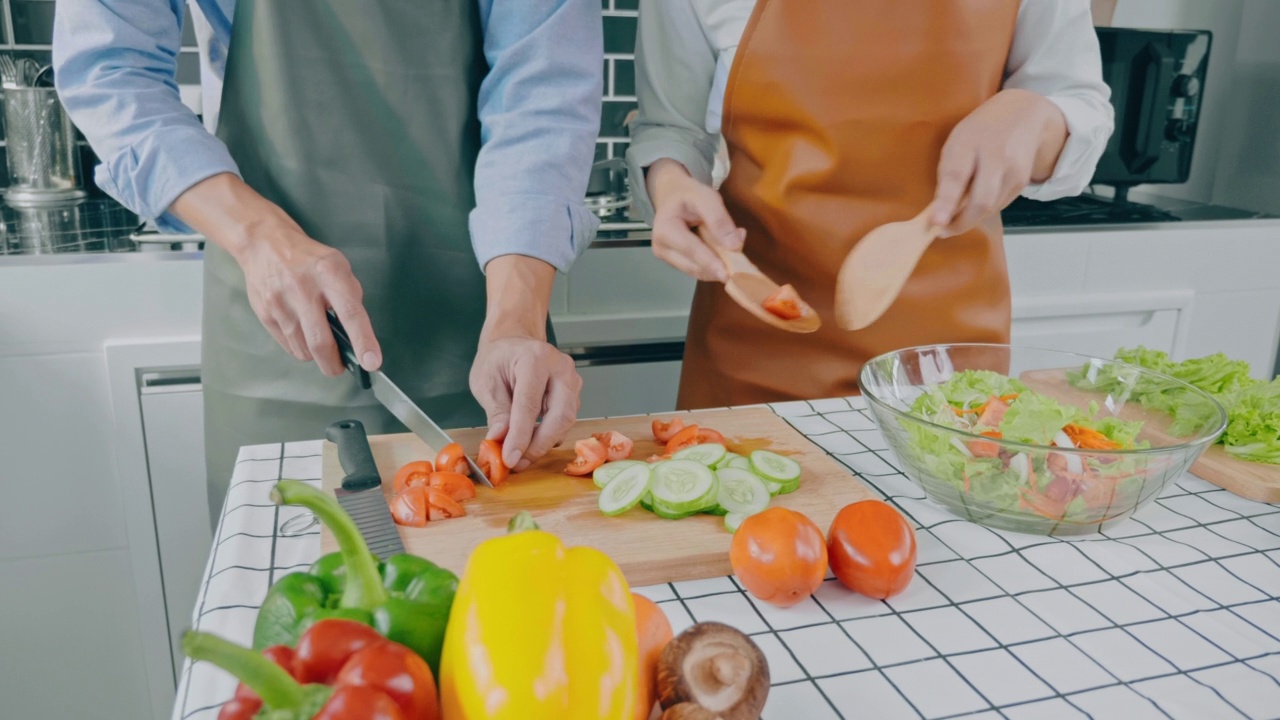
<point>1157,82</point>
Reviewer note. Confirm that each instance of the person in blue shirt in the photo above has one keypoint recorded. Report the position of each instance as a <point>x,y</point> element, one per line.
<point>359,157</point>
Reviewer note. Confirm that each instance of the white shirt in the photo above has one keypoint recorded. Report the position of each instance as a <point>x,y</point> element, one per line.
<point>685,48</point>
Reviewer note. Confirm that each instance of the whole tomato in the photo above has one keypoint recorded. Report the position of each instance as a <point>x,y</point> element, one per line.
<point>779,556</point>
<point>872,549</point>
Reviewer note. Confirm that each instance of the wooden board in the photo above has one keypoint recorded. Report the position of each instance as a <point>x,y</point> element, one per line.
<point>648,549</point>
<point>1255,481</point>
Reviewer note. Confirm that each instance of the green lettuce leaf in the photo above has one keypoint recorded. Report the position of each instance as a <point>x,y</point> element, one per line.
<point>1253,431</point>
<point>1035,419</point>
<point>969,388</point>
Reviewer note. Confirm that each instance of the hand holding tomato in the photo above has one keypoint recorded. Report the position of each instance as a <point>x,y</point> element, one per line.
<point>779,556</point>
<point>872,549</point>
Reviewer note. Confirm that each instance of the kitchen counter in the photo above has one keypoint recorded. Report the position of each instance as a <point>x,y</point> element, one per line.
<point>1171,613</point>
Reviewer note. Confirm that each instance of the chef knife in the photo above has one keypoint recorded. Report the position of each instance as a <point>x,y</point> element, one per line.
<point>361,492</point>
<point>394,399</point>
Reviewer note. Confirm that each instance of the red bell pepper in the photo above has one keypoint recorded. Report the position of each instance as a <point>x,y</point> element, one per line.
<point>366,678</point>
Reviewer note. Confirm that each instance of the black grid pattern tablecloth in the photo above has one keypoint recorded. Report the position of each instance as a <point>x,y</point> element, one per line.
<point>1171,614</point>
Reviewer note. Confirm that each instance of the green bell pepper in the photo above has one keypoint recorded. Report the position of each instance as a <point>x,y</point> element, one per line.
<point>406,598</point>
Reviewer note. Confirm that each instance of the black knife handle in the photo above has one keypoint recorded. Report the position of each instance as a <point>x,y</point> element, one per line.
<point>354,455</point>
<point>346,350</point>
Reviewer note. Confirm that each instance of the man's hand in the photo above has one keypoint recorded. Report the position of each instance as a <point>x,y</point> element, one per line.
<point>680,203</point>
<point>291,279</point>
<point>992,155</point>
<point>518,376</point>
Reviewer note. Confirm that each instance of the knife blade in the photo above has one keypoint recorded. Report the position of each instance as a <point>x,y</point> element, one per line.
<point>361,492</point>
<point>396,401</point>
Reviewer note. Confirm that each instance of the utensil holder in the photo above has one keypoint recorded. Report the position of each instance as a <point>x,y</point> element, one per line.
<point>43,159</point>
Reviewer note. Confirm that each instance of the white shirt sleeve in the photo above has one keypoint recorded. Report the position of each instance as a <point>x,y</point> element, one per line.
<point>675,68</point>
<point>1055,53</point>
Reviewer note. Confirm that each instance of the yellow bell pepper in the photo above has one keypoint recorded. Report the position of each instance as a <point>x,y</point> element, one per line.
<point>538,630</point>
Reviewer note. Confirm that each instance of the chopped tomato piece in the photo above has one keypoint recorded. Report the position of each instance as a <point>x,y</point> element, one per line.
<point>455,485</point>
<point>992,413</point>
<point>410,507</point>
<point>983,448</point>
<point>412,473</point>
<point>617,445</point>
<point>786,304</point>
<point>453,459</point>
<point>687,437</point>
<point>707,435</point>
<point>663,432</point>
<point>591,455</point>
<point>442,507</point>
<point>490,462</point>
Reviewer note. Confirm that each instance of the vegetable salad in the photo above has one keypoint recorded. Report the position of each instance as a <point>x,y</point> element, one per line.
<point>1073,487</point>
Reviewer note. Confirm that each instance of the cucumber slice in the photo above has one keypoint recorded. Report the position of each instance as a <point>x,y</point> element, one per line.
<point>740,462</point>
<point>777,488</point>
<point>772,466</point>
<point>732,521</point>
<point>741,492</point>
<point>683,486</point>
<point>609,471</point>
<point>624,491</point>
<point>717,510</point>
<point>663,511</point>
<point>708,453</point>
<point>724,461</point>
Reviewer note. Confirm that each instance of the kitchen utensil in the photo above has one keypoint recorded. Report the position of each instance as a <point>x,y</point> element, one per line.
<point>43,160</point>
<point>9,72</point>
<point>28,69</point>
<point>648,548</point>
<point>394,399</point>
<point>1094,488</point>
<point>1252,480</point>
<point>360,492</point>
<point>750,288</point>
<point>876,269</point>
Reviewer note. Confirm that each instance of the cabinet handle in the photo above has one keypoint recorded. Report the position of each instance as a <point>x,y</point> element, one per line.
<point>175,380</point>
<point>653,352</point>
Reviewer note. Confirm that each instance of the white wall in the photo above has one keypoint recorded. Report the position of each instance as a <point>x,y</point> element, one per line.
<point>1248,172</point>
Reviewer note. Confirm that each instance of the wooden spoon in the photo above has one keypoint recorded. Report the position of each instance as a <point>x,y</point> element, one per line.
<point>750,288</point>
<point>878,266</point>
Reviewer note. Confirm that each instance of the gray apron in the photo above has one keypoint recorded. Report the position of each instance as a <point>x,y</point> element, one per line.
<point>359,120</point>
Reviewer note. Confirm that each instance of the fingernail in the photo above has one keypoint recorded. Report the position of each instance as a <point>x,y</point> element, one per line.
<point>369,360</point>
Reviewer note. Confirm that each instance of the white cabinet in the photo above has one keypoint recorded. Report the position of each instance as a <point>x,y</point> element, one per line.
<point>173,429</point>
<point>1099,324</point>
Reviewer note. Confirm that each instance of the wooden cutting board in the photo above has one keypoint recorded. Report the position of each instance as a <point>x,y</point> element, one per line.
<point>648,549</point>
<point>1255,481</point>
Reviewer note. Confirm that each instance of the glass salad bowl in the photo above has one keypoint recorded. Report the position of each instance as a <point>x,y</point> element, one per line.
<point>1036,441</point>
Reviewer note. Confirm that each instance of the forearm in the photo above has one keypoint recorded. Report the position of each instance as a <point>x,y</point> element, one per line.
<point>518,290</point>
<point>659,177</point>
<point>1053,138</point>
<point>230,214</point>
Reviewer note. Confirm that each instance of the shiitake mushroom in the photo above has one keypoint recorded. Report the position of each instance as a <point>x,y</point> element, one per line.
<point>712,672</point>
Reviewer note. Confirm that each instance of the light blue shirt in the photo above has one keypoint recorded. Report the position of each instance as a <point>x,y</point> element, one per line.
<point>115,64</point>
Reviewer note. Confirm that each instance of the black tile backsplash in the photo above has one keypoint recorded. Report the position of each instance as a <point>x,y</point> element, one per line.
<point>619,34</point>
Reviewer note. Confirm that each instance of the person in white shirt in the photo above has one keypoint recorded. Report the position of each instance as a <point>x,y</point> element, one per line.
<point>839,116</point>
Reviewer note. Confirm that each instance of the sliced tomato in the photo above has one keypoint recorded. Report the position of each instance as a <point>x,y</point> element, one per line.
<point>453,459</point>
<point>591,455</point>
<point>413,473</point>
<point>664,431</point>
<point>455,485</point>
<point>983,448</point>
<point>687,437</point>
<point>490,462</point>
<point>442,507</point>
<point>993,413</point>
<point>617,445</point>
<point>410,507</point>
<point>707,435</point>
<point>786,304</point>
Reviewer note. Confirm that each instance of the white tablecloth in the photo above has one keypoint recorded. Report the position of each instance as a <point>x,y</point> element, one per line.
<point>1171,614</point>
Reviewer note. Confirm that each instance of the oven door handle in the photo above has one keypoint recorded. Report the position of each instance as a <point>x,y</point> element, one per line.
<point>1153,71</point>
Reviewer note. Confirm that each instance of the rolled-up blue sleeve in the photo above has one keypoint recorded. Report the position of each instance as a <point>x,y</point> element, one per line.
<point>115,67</point>
<point>539,109</point>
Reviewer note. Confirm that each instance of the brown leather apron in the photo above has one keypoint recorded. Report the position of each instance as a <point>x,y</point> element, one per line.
<point>836,112</point>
